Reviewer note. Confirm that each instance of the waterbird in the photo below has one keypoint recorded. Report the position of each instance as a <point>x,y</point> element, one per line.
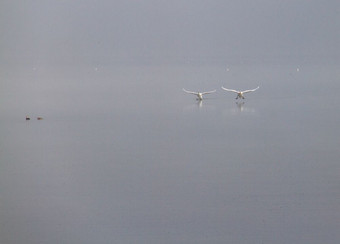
<point>28,118</point>
<point>39,118</point>
<point>240,93</point>
<point>199,94</point>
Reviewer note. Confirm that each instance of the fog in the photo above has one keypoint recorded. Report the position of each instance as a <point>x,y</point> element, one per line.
<point>123,155</point>
<point>75,32</point>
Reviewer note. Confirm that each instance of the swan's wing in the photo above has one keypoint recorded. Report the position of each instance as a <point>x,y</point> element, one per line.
<point>208,92</point>
<point>191,92</point>
<point>231,90</point>
<point>246,91</point>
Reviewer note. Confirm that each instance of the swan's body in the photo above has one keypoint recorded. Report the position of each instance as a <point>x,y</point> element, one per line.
<point>199,94</point>
<point>240,93</point>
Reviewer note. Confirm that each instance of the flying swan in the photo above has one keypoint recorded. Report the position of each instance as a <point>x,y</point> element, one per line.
<point>199,94</point>
<point>240,93</point>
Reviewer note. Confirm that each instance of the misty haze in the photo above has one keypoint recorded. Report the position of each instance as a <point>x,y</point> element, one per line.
<point>116,152</point>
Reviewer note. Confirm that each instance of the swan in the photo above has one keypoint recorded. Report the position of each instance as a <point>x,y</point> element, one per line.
<point>240,93</point>
<point>199,94</point>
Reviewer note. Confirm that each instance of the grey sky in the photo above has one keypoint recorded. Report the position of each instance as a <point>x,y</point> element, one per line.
<point>47,31</point>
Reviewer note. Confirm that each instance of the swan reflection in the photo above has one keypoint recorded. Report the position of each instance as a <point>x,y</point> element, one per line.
<point>240,106</point>
<point>199,105</point>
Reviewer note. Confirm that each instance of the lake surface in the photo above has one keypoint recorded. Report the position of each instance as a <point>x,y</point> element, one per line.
<point>123,155</point>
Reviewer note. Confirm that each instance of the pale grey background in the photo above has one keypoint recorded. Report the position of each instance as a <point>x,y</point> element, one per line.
<point>86,31</point>
<point>123,155</point>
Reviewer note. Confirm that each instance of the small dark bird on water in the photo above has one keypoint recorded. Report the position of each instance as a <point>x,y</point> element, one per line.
<point>39,118</point>
<point>28,118</point>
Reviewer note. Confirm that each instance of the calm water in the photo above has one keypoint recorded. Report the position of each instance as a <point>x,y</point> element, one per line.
<point>123,155</point>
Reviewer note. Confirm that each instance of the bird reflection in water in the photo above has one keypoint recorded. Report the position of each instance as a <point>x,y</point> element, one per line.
<point>240,106</point>
<point>199,105</point>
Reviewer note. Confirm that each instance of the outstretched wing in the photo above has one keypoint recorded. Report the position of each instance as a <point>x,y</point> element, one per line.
<point>231,90</point>
<point>246,91</point>
<point>208,92</point>
<point>191,92</point>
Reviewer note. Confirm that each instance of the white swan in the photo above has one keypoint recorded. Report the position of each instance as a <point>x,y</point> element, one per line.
<point>199,94</point>
<point>240,93</point>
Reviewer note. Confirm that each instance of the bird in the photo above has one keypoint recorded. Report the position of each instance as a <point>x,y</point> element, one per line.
<point>240,93</point>
<point>28,118</point>
<point>40,118</point>
<point>199,94</point>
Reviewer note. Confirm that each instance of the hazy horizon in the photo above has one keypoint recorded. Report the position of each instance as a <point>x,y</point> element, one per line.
<point>77,32</point>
